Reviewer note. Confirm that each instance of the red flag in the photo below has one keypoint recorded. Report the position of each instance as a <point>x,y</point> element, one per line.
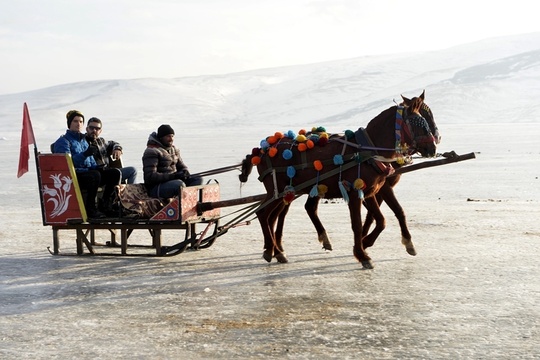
<point>27,138</point>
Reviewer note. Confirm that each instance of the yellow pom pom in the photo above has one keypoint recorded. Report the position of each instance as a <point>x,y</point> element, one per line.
<point>359,184</point>
<point>323,189</point>
<point>301,138</point>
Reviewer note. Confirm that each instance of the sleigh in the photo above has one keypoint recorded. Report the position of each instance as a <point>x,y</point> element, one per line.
<point>63,209</point>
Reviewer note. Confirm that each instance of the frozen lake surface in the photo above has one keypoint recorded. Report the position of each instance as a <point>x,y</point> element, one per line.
<point>471,292</point>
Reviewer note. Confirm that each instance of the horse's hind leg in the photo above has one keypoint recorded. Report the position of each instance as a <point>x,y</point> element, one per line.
<point>311,206</point>
<point>355,207</point>
<point>266,217</point>
<point>277,221</point>
<point>369,218</point>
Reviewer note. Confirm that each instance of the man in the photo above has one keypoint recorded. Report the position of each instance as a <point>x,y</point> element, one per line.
<point>107,149</point>
<point>164,171</point>
<point>89,175</point>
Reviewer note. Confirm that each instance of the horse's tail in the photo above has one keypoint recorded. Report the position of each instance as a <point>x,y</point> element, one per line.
<point>247,166</point>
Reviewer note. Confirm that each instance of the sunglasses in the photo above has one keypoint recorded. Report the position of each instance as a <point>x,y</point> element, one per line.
<point>94,128</point>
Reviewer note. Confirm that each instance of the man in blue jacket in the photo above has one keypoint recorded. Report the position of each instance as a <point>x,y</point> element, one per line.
<point>89,174</point>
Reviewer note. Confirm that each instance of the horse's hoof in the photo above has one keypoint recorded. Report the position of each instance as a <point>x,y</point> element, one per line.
<point>366,264</point>
<point>411,250</point>
<point>409,246</point>
<point>323,239</point>
<point>267,257</point>
<point>282,258</point>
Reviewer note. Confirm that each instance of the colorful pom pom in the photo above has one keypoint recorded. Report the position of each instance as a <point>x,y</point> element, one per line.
<point>256,160</point>
<point>264,144</point>
<point>314,191</point>
<point>291,134</point>
<point>272,151</point>
<point>310,144</point>
<point>288,194</point>
<point>302,147</point>
<point>302,132</point>
<point>278,135</point>
<point>287,154</point>
<point>301,138</point>
<point>323,141</point>
<point>317,164</point>
<point>323,189</point>
<point>338,159</point>
<point>271,140</point>
<point>291,171</point>
<point>255,151</point>
<point>359,184</point>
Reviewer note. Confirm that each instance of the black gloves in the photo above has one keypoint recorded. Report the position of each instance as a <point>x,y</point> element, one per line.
<point>182,175</point>
<point>92,150</point>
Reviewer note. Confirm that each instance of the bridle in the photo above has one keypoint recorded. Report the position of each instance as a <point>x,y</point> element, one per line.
<point>411,130</point>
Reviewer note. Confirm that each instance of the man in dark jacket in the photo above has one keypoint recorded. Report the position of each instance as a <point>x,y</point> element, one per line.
<point>107,149</point>
<point>89,174</point>
<point>164,171</point>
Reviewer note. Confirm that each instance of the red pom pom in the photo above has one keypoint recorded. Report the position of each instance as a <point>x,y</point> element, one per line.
<point>272,152</point>
<point>310,144</point>
<point>255,151</point>
<point>318,165</point>
<point>302,147</point>
<point>278,135</point>
<point>302,132</point>
<point>323,141</point>
<point>256,160</point>
<point>271,140</point>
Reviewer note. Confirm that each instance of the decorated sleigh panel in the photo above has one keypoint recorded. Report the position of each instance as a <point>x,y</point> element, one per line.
<point>61,199</point>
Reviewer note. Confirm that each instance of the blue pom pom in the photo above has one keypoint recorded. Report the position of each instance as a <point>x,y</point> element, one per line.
<point>291,171</point>
<point>291,134</point>
<point>338,159</point>
<point>287,154</point>
<point>264,144</point>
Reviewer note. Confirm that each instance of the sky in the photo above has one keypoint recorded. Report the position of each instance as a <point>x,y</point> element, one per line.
<point>51,42</point>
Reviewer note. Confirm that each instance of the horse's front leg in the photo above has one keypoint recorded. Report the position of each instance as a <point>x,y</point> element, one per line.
<point>389,197</point>
<point>355,207</point>
<point>311,206</point>
<point>372,205</point>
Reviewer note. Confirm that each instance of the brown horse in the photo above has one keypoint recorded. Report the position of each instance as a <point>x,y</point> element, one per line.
<point>385,194</point>
<point>317,172</point>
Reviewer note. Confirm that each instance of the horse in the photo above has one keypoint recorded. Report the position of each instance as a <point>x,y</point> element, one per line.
<point>385,194</point>
<point>338,167</point>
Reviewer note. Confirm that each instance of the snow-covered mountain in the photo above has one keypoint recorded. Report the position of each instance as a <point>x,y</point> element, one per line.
<point>492,80</point>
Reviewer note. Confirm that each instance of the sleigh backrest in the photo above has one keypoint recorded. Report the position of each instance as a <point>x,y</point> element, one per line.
<point>59,191</point>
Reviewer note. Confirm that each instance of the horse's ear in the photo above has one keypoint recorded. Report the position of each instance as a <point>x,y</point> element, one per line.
<point>406,101</point>
<point>423,95</point>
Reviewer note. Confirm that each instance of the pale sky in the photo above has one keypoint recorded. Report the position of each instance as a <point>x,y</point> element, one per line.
<point>51,42</point>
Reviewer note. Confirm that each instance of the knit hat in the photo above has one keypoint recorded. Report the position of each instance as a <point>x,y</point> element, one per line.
<point>164,130</point>
<point>71,114</point>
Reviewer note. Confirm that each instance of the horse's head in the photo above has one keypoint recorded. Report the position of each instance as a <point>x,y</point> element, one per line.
<point>421,123</point>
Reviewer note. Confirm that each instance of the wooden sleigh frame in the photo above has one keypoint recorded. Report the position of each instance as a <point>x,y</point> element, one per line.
<point>62,208</point>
